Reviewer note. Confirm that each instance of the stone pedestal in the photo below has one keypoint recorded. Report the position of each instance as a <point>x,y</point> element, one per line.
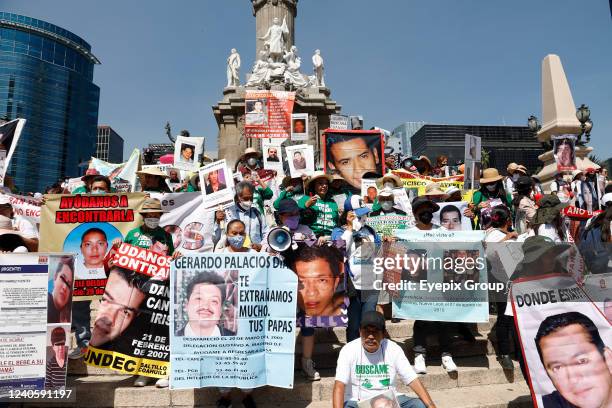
<point>229,114</point>
<point>549,170</point>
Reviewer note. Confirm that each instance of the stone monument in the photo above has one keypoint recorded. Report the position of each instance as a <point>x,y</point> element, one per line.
<point>278,67</point>
<point>558,117</point>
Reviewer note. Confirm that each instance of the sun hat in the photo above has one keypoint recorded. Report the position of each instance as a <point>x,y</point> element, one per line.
<point>249,151</point>
<point>315,176</point>
<point>152,171</point>
<point>511,168</point>
<point>452,190</point>
<point>490,175</point>
<point>548,208</point>
<point>421,201</point>
<point>433,189</point>
<point>534,248</point>
<point>522,169</point>
<point>151,205</point>
<point>391,177</point>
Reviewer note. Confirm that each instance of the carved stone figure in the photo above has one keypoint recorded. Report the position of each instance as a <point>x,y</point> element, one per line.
<point>261,70</point>
<point>275,39</point>
<point>317,62</point>
<point>233,69</point>
<point>292,72</point>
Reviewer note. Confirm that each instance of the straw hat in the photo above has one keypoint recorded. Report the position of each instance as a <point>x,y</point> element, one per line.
<point>151,205</point>
<point>315,176</point>
<point>511,168</point>
<point>391,177</point>
<point>433,189</point>
<point>490,175</point>
<point>153,171</point>
<point>249,151</point>
<point>89,174</point>
<point>452,190</point>
<point>522,169</point>
<point>576,173</point>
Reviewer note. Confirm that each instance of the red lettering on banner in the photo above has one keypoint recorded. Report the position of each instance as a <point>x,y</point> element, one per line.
<point>143,261</point>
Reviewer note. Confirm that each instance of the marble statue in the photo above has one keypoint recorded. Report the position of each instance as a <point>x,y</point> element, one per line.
<point>292,73</point>
<point>317,62</point>
<point>275,39</point>
<point>233,69</point>
<point>261,70</point>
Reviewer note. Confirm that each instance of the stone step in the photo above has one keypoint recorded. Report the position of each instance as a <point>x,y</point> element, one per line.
<point>117,390</point>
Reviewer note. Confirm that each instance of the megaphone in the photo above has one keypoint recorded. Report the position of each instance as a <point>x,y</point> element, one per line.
<point>279,239</point>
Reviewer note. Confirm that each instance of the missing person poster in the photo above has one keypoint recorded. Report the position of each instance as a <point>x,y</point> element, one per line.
<point>450,216</point>
<point>217,183</point>
<point>353,154</point>
<point>268,113</point>
<point>300,159</point>
<point>416,183</point>
<point>566,342</point>
<point>87,225</point>
<point>369,191</point>
<point>440,276</point>
<point>387,399</point>
<point>272,155</point>
<point>339,122</point>
<point>26,207</point>
<point>598,288</point>
<point>299,126</point>
<point>385,224</point>
<point>35,304</point>
<point>564,152</point>
<point>322,299</point>
<point>473,150</point>
<point>232,321</point>
<point>130,333</point>
<point>188,152</point>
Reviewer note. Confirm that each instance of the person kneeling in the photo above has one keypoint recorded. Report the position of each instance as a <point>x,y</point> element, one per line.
<point>367,367</point>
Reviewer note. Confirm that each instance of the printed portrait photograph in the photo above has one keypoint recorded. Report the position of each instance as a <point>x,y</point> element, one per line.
<point>207,303</point>
<point>459,265</point>
<point>272,154</point>
<point>59,295</point>
<point>353,155</point>
<point>188,153</point>
<point>256,112</point>
<point>214,181</point>
<point>57,344</point>
<point>564,153</point>
<point>298,126</point>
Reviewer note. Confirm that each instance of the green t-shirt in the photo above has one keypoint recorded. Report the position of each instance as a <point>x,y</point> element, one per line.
<point>260,195</point>
<point>79,190</point>
<point>144,239</point>
<point>285,195</point>
<point>326,211</point>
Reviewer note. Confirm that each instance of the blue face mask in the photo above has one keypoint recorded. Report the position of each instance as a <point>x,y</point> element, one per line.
<point>292,222</point>
<point>236,241</point>
<point>98,192</point>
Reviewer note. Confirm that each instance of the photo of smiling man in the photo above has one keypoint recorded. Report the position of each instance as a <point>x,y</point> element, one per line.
<point>351,155</point>
<point>576,360</point>
<point>205,305</point>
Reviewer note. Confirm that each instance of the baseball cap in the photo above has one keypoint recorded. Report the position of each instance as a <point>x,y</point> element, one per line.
<point>606,199</point>
<point>373,318</point>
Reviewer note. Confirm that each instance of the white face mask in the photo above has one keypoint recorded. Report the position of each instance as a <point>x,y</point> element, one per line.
<point>515,177</point>
<point>151,223</point>
<point>389,186</point>
<point>386,205</point>
<point>357,225</point>
<point>246,204</point>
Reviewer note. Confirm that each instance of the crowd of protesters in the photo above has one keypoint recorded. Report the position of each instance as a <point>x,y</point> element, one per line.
<point>326,211</point>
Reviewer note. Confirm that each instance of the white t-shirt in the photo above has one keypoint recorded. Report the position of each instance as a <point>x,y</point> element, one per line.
<point>366,375</point>
<point>25,227</point>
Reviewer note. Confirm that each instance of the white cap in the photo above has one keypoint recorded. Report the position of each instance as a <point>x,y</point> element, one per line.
<point>38,196</point>
<point>606,199</point>
<point>452,190</point>
<point>4,199</point>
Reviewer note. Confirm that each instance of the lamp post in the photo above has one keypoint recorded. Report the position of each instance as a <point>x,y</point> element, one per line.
<point>534,126</point>
<point>583,114</point>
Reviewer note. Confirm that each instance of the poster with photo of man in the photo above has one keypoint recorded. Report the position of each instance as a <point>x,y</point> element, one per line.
<point>224,308</point>
<point>299,126</point>
<point>566,342</point>
<point>564,152</point>
<point>473,148</point>
<point>216,183</point>
<point>450,216</point>
<point>268,113</point>
<point>352,154</point>
<point>272,155</point>
<point>386,399</point>
<point>188,152</point>
<point>300,159</point>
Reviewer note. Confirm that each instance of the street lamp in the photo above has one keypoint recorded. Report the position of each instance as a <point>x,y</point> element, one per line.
<point>583,114</point>
<point>534,126</point>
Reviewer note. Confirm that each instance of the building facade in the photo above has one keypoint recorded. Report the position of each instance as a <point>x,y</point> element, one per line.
<point>505,144</point>
<point>403,133</point>
<point>46,77</point>
<point>110,145</point>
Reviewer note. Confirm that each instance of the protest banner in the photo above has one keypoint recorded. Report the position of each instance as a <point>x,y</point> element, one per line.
<point>299,126</point>
<point>130,333</point>
<point>86,225</point>
<point>473,150</point>
<point>122,175</point>
<point>73,183</point>
<point>385,225</point>
<point>439,275</point>
<point>35,304</point>
<point>300,159</point>
<point>353,153</point>
<point>217,183</point>
<point>322,297</point>
<point>188,152</point>
<point>564,152</point>
<point>566,342</point>
<point>244,336</point>
<point>268,113</point>
<point>10,132</point>
<point>450,216</point>
<point>387,399</point>
<point>598,289</point>
<point>272,155</point>
<point>26,207</point>
<point>417,182</point>
<point>579,213</point>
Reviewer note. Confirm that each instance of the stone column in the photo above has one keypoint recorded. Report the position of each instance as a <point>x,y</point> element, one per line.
<point>265,11</point>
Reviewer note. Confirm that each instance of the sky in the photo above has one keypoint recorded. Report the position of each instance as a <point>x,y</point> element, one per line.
<point>472,62</point>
